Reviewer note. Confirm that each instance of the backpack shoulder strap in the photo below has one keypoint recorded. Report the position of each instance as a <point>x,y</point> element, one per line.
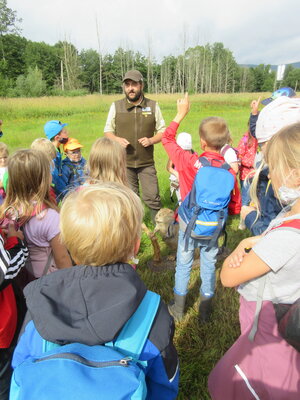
<point>293,224</point>
<point>224,149</point>
<point>214,163</point>
<point>135,332</point>
<point>204,161</point>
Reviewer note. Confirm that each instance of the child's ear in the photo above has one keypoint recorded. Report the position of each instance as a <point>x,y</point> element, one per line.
<point>296,176</point>
<point>203,144</point>
<point>137,247</point>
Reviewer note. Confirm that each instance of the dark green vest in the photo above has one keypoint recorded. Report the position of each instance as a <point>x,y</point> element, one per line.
<point>132,123</point>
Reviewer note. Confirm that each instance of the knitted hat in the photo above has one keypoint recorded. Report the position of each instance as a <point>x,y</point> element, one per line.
<point>281,112</point>
<point>184,140</point>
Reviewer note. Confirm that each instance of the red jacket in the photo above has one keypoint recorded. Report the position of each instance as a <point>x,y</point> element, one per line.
<point>187,164</point>
<point>246,155</point>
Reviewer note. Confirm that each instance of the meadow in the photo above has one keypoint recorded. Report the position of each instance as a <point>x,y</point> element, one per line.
<point>199,346</point>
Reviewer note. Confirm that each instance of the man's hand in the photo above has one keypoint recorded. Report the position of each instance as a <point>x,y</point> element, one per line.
<point>145,141</point>
<point>122,141</point>
<point>183,107</point>
<point>254,106</point>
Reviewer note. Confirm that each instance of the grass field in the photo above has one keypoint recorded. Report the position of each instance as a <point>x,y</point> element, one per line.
<point>199,347</point>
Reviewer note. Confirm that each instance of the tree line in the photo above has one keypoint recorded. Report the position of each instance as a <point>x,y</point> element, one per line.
<point>30,68</point>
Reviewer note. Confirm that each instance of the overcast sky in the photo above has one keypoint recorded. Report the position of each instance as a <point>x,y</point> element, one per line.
<point>257,31</point>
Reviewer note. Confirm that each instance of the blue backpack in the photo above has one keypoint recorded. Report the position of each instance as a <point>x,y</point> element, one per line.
<point>79,372</point>
<point>203,213</point>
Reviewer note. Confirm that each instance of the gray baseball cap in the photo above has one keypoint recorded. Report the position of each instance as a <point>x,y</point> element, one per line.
<point>133,75</point>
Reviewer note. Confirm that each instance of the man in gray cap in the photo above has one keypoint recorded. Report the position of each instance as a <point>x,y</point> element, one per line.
<point>137,124</point>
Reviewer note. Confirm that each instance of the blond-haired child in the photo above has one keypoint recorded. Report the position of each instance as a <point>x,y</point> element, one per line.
<point>91,302</point>
<point>107,162</point>
<point>28,193</point>
<point>261,364</point>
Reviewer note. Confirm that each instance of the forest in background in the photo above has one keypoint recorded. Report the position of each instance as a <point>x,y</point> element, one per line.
<point>33,69</point>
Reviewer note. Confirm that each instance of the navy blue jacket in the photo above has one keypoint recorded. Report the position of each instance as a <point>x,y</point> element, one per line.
<point>269,205</point>
<point>73,173</point>
<point>90,305</point>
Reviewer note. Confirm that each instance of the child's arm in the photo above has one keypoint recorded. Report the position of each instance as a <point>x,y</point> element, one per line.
<point>249,265</point>
<point>178,156</point>
<point>171,169</point>
<point>60,253</point>
<point>254,115</point>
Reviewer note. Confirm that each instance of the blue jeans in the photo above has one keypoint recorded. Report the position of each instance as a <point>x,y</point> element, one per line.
<point>245,187</point>
<point>184,265</point>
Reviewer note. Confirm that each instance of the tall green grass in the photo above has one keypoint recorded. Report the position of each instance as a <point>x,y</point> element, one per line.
<point>199,346</point>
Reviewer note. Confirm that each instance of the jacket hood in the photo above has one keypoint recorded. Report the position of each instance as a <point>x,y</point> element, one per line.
<point>84,304</point>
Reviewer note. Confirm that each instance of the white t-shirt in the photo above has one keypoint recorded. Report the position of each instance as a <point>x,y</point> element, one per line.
<point>229,155</point>
<point>280,250</point>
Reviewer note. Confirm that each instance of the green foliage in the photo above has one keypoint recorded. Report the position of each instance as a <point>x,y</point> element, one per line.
<point>8,19</point>
<point>45,57</point>
<point>13,64</point>
<point>89,76</point>
<point>31,85</point>
<point>292,78</point>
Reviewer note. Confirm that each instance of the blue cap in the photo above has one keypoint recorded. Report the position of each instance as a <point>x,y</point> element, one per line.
<point>52,128</point>
<point>284,91</point>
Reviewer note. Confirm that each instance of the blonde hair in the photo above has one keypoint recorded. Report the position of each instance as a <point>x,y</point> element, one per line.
<point>107,162</point>
<point>283,152</point>
<point>215,132</point>
<point>3,149</point>
<point>253,188</point>
<point>28,184</point>
<point>46,146</point>
<point>101,223</point>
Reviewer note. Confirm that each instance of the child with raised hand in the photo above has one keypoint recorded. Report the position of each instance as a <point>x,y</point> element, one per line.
<point>261,364</point>
<point>214,134</point>
<point>281,112</point>
<point>29,195</point>
<point>107,162</point>
<point>90,302</point>
<point>73,165</point>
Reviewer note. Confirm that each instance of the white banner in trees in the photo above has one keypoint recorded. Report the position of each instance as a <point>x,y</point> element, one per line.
<point>280,72</point>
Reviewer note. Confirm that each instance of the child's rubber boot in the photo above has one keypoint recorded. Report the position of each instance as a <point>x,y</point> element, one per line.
<point>176,308</point>
<point>205,309</point>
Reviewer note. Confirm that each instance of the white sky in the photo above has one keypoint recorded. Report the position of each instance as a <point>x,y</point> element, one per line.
<point>257,31</point>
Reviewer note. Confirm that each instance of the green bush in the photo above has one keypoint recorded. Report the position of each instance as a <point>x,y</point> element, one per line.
<point>30,85</point>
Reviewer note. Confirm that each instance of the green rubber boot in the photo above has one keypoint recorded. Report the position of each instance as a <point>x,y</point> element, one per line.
<point>176,308</point>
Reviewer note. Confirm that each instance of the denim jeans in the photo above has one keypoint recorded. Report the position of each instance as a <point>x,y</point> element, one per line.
<point>184,265</point>
<point>245,187</point>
